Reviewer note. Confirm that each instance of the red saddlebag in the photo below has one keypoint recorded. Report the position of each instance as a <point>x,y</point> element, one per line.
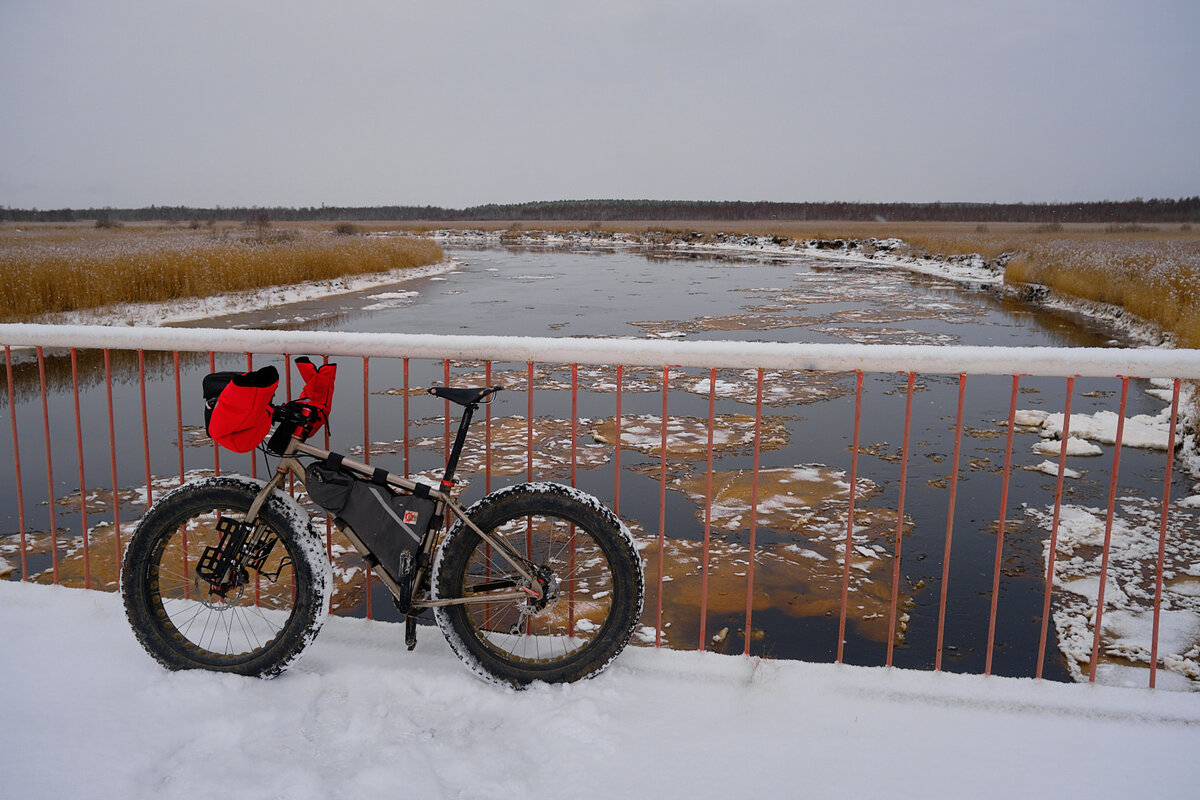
<point>237,407</point>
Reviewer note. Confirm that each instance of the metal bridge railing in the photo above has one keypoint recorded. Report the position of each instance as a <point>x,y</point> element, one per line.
<point>110,399</point>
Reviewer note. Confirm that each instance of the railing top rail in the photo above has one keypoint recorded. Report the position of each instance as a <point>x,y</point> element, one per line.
<point>925,359</point>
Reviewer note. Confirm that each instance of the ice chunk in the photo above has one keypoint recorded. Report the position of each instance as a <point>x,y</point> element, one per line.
<point>1051,468</point>
<point>1075,447</point>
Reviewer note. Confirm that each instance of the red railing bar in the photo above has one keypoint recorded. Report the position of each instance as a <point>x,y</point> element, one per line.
<point>487,439</point>
<point>893,613</point>
<point>145,427</point>
<point>12,412</point>
<point>368,574</point>
<point>574,419</point>
<point>858,392</point>
<point>366,410</point>
<point>712,406</point>
<point>446,415</point>
<point>212,367</point>
<point>83,523</point>
<point>253,461</point>
<point>254,474</point>
<point>529,455</point>
<point>328,518</point>
<point>1162,534</point>
<point>112,455</point>
<point>178,413</point>
<point>487,475</point>
<point>617,444</point>
<point>1108,523</point>
<point>287,385</point>
<point>406,468</point>
<point>529,425</point>
<point>187,590</point>
<point>1008,447</point>
<point>49,467</point>
<point>958,429</point>
<point>663,506</point>
<point>574,439</point>
<point>753,513</point>
<point>1062,465</point>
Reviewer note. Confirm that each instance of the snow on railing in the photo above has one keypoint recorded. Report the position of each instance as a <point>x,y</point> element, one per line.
<point>817,550</point>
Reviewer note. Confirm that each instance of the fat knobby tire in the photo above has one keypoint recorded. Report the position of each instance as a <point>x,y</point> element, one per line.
<point>576,511</point>
<point>160,630</point>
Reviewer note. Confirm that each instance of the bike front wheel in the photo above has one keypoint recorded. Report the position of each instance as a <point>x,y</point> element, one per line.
<point>591,595</point>
<point>260,623</point>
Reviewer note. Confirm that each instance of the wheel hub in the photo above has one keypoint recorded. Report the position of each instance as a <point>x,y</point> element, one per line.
<point>219,598</point>
<point>547,582</point>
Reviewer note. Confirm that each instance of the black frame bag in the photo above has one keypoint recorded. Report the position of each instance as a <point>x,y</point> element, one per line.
<point>391,524</point>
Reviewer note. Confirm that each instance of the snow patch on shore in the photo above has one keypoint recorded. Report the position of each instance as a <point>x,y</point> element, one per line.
<point>196,308</point>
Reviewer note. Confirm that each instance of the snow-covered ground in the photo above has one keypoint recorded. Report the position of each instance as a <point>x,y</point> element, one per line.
<point>88,714</point>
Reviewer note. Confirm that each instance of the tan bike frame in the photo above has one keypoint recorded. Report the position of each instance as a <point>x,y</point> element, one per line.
<point>290,464</point>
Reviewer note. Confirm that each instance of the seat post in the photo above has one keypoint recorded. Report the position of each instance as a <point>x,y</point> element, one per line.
<point>460,439</point>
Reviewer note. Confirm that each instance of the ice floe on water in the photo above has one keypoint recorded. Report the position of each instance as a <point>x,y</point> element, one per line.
<point>386,300</point>
<point>1075,447</point>
<point>1141,430</point>
<point>779,388</point>
<point>1030,418</point>
<point>1127,628</point>
<point>1051,468</point>
<point>687,437</point>
<point>888,335</point>
<point>800,575</point>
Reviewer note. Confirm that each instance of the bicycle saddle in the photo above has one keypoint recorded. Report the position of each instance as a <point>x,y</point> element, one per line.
<point>464,396</point>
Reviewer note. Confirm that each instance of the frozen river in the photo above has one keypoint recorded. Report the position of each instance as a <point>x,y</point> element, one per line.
<point>806,429</point>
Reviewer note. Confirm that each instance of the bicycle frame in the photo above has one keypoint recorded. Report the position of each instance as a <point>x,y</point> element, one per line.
<point>289,463</point>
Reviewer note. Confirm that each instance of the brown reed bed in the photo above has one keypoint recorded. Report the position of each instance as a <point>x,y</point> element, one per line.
<point>49,269</point>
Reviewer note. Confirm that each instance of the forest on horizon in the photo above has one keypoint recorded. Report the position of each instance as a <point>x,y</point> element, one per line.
<point>1138,210</point>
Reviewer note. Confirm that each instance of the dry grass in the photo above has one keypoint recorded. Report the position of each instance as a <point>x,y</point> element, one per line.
<point>1155,280</point>
<point>48,269</point>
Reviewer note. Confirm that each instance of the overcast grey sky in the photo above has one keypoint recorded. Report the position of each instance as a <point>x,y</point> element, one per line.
<point>458,103</point>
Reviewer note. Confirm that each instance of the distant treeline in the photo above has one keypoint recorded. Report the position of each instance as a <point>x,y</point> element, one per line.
<point>1138,210</point>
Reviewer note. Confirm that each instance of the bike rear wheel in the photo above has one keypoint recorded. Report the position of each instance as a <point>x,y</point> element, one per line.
<point>592,577</point>
<point>257,626</point>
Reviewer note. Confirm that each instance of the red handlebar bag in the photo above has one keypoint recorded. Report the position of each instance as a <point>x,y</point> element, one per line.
<point>318,387</point>
<point>237,411</point>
